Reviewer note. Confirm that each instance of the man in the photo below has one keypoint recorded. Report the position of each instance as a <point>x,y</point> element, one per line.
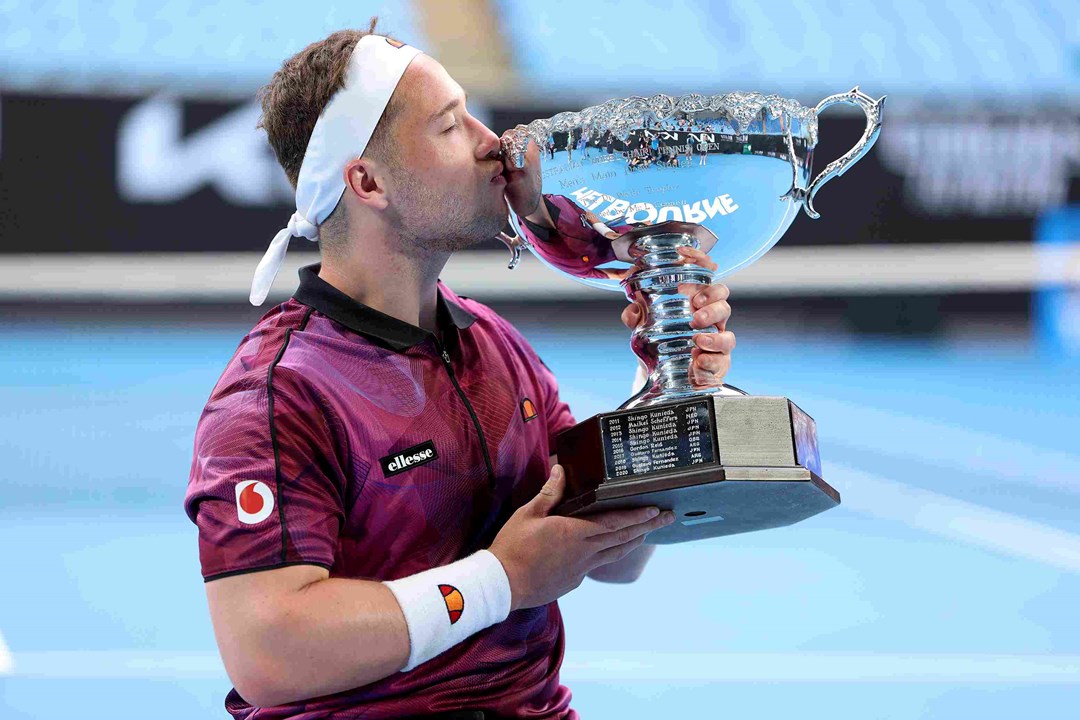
<point>375,528</point>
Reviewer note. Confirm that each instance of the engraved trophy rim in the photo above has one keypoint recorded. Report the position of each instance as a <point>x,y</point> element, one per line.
<point>624,114</point>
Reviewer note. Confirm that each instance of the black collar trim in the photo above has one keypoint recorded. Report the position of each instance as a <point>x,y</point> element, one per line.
<point>396,334</point>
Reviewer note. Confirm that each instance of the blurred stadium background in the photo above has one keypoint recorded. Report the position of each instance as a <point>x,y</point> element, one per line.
<point>930,321</point>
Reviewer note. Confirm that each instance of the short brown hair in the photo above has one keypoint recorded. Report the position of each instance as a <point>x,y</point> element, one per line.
<point>298,93</point>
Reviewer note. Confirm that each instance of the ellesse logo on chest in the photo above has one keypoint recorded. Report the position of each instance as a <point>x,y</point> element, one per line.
<point>408,458</point>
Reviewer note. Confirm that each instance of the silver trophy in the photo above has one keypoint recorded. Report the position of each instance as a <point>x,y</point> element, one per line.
<point>723,173</point>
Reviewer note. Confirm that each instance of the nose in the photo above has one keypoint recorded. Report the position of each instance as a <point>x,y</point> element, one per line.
<point>489,147</point>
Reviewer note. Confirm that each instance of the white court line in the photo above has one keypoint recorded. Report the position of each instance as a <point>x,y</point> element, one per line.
<point>839,667</point>
<point>120,665</point>
<point>7,663</point>
<point>939,443</point>
<point>587,666</point>
<point>958,520</point>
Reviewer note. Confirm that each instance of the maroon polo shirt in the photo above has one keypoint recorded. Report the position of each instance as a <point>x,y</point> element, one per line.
<point>341,437</point>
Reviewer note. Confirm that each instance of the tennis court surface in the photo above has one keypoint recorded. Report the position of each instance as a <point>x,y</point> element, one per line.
<point>944,586</point>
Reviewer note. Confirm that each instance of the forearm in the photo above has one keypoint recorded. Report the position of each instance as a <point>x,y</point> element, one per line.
<point>331,635</point>
<point>626,570</point>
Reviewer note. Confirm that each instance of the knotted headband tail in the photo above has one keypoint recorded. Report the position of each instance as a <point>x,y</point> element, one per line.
<point>271,261</point>
<point>268,267</point>
<point>341,133</point>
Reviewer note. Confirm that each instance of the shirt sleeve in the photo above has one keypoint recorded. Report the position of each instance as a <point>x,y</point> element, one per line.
<point>266,482</point>
<point>557,412</point>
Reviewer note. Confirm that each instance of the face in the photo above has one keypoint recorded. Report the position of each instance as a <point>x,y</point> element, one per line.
<point>445,189</point>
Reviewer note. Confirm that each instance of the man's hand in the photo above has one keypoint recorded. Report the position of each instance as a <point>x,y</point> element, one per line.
<point>712,356</point>
<point>546,556</point>
<point>523,187</point>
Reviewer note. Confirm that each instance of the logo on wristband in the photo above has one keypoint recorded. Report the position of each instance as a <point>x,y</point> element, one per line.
<point>455,602</point>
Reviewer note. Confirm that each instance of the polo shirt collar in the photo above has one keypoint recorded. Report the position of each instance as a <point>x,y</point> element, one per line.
<point>396,334</point>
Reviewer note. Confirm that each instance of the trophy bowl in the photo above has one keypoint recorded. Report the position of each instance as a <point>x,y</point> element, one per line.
<point>624,186</point>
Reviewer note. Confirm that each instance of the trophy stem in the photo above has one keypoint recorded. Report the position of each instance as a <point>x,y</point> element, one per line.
<point>664,341</point>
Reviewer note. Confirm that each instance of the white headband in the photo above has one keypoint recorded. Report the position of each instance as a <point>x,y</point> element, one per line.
<point>341,133</point>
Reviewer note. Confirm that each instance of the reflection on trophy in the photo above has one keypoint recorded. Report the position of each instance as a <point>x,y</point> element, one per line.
<point>646,176</point>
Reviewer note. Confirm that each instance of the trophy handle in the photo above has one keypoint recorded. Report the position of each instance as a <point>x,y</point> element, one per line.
<point>872,108</point>
<point>514,243</point>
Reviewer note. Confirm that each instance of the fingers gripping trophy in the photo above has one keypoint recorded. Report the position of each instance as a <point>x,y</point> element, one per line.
<point>674,192</point>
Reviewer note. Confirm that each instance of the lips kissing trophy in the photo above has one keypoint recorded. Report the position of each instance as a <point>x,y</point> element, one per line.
<point>646,176</point>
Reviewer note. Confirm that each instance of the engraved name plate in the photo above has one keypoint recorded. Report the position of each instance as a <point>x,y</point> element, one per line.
<point>667,437</point>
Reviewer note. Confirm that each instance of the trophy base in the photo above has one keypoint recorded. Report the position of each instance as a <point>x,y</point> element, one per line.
<point>723,464</point>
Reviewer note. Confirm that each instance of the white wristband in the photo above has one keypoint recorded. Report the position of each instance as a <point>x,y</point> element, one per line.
<point>445,605</point>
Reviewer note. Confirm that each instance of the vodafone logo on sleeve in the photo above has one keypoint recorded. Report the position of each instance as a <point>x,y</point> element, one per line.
<point>254,501</point>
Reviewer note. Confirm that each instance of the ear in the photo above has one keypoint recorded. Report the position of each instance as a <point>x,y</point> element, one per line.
<point>365,179</point>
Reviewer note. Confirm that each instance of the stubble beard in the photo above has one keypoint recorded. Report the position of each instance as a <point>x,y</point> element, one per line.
<point>431,221</point>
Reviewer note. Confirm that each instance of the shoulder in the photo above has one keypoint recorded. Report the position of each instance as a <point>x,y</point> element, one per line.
<point>264,342</point>
<point>256,368</point>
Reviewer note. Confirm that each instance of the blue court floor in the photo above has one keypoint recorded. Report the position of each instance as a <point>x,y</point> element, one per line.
<point>947,584</point>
